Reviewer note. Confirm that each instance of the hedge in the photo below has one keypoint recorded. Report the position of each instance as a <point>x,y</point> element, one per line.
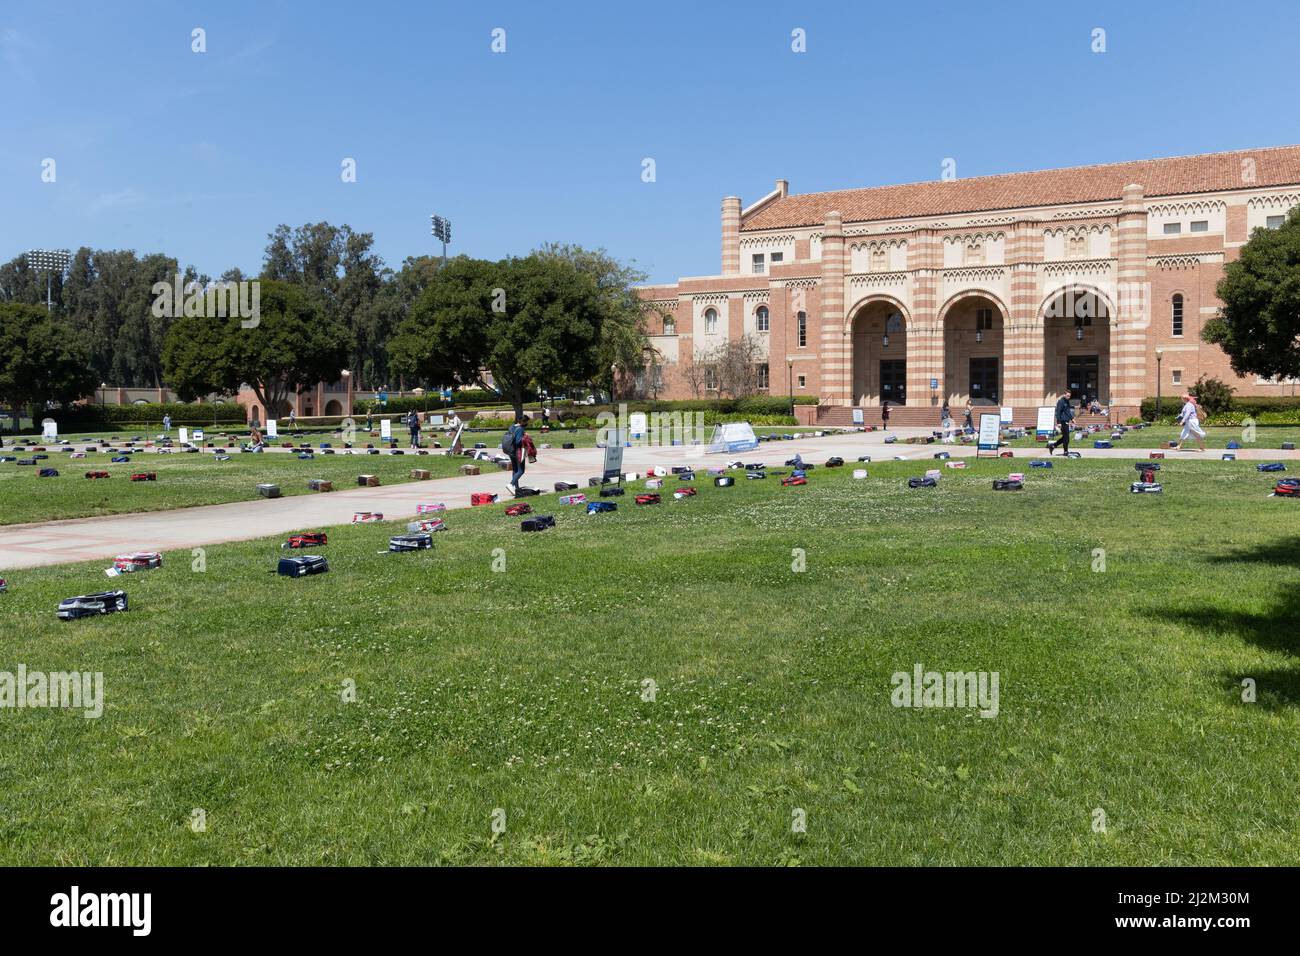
<point>206,414</point>
<point>1263,409</point>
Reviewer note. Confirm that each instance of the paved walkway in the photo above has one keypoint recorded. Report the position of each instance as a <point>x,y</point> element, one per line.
<point>84,539</point>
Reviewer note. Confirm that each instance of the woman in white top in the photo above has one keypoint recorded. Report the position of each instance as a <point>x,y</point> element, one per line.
<point>1189,418</point>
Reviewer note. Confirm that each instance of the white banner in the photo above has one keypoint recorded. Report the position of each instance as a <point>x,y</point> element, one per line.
<point>271,429</point>
<point>184,434</point>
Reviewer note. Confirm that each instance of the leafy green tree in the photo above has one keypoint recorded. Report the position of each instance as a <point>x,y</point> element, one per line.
<point>530,322</point>
<point>40,360</point>
<point>293,346</point>
<point>1259,324</point>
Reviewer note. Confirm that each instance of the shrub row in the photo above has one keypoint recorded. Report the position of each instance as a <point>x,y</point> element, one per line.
<point>205,414</point>
<point>1265,410</point>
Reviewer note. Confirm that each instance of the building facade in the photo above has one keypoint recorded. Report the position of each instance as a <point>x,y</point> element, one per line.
<point>999,289</point>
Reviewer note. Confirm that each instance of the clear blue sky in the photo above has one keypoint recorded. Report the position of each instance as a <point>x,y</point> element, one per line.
<point>200,156</point>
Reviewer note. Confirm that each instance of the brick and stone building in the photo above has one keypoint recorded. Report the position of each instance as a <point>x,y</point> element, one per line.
<point>1001,289</point>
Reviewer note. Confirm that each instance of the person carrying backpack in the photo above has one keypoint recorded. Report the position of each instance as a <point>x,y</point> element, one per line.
<point>413,425</point>
<point>515,448</point>
<point>1064,415</point>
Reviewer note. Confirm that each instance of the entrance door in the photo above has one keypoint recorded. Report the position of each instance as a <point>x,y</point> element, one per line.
<point>893,381</point>
<point>984,380</point>
<point>1081,376</point>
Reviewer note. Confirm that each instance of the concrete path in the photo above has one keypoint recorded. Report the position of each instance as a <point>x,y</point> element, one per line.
<point>84,539</point>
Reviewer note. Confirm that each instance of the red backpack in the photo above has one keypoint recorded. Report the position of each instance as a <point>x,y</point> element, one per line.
<point>308,539</point>
<point>515,511</point>
<point>482,498</point>
<point>650,499</point>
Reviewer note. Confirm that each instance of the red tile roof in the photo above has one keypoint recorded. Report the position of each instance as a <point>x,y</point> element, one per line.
<point>1209,172</point>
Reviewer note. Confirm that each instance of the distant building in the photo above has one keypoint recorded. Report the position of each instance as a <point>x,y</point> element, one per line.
<point>1001,289</point>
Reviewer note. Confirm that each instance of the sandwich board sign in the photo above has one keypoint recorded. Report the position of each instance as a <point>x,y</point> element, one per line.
<point>436,421</point>
<point>733,436</point>
<point>613,458</point>
<point>1007,414</point>
<point>184,434</point>
<point>637,425</point>
<point>1046,421</point>
<point>198,434</point>
<point>271,429</point>
<point>386,429</point>
<point>49,429</point>
<point>857,416</point>
<point>990,433</point>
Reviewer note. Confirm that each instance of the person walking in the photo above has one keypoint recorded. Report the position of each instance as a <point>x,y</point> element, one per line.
<point>884,415</point>
<point>1190,419</point>
<point>514,444</point>
<point>293,419</point>
<point>413,424</point>
<point>167,425</point>
<point>1064,416</point>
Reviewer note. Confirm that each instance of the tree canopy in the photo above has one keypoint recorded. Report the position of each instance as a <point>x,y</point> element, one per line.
<point>40,359</point>
<point>294,345</point>
<point>1259,324</point>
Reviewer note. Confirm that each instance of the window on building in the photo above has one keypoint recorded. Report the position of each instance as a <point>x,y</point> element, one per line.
<point>1177,315</point>
<point>803,381</point>
<point>1275,222</point>
<point>670,325</point>
<point>778,257</point>
<point>984,319</point>
<point>710,378</point>
<point>657,376</point>
<point>1173,228</point>
<point>973,254</point>
<point>762,375</point>
<point>762,321</point>
<point>1177,376</point>
<point>1200,225</point>
<point>758,263</point>
<point>879,261</point>
<point>710,321</point>
<point>1077,247</point>
<point>803,329</point>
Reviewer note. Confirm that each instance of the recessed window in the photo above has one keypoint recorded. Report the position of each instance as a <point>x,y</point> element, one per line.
<point>803,330</point>
<point>1078,247</point>
<point>983,319</point>
<point>778,257</point>
<point>710,378</point>
<point>1275,222</point>
<point>762,376</point>
<point>1173,228</point>
<point>879,263</point>
<point>1177,376</point>
<point>762,321</point>
<point>1200,225</point>
<point>803,381</point>
<point>758,263</point>
<point>710,321</point>
<point>670,325</point>
<point>1176,315</point>
<point>974,253</point>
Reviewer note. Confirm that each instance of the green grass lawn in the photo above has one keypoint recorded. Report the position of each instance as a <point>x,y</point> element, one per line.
<point>1271,436</point>
<point>523,690</point>
<point>185,480</point>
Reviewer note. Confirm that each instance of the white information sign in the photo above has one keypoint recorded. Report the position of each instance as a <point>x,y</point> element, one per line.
<point>271,431</point>
<point>386,429</point>
<point>990,434</point>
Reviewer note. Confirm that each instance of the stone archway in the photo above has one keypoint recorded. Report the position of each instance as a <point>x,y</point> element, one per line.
<point>974,332</point>
<point>1077,344</point>
<point>879,335</point>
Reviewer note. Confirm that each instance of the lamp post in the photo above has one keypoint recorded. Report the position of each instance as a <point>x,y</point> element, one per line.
<point>49,261</point>
<point>789,367</point>
<point>1160,354</point>
<point>347,378</point>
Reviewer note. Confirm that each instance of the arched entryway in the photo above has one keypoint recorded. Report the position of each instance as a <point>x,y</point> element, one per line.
<point>879,354</point>
<point>1076,345</point>
<point>333,407</point>
<point>974,325</point>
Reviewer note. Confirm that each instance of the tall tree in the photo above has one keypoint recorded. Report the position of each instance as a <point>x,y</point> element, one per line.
<point>1259,324</point>
<point>40,360</point>
<point>294,345</point>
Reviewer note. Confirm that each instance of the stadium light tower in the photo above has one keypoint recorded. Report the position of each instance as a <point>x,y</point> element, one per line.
<point>49,261</point>
<point>441,229</point>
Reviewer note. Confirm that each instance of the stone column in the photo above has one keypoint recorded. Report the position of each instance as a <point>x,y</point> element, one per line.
<point>830,341</point>
<point>1023,344</point>
<point>1132,297</point>
<point>924,331</point>
<point>731,236</point>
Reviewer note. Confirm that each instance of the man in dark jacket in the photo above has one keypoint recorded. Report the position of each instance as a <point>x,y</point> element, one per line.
<point>1064,416</point>
<point>513,444</point>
